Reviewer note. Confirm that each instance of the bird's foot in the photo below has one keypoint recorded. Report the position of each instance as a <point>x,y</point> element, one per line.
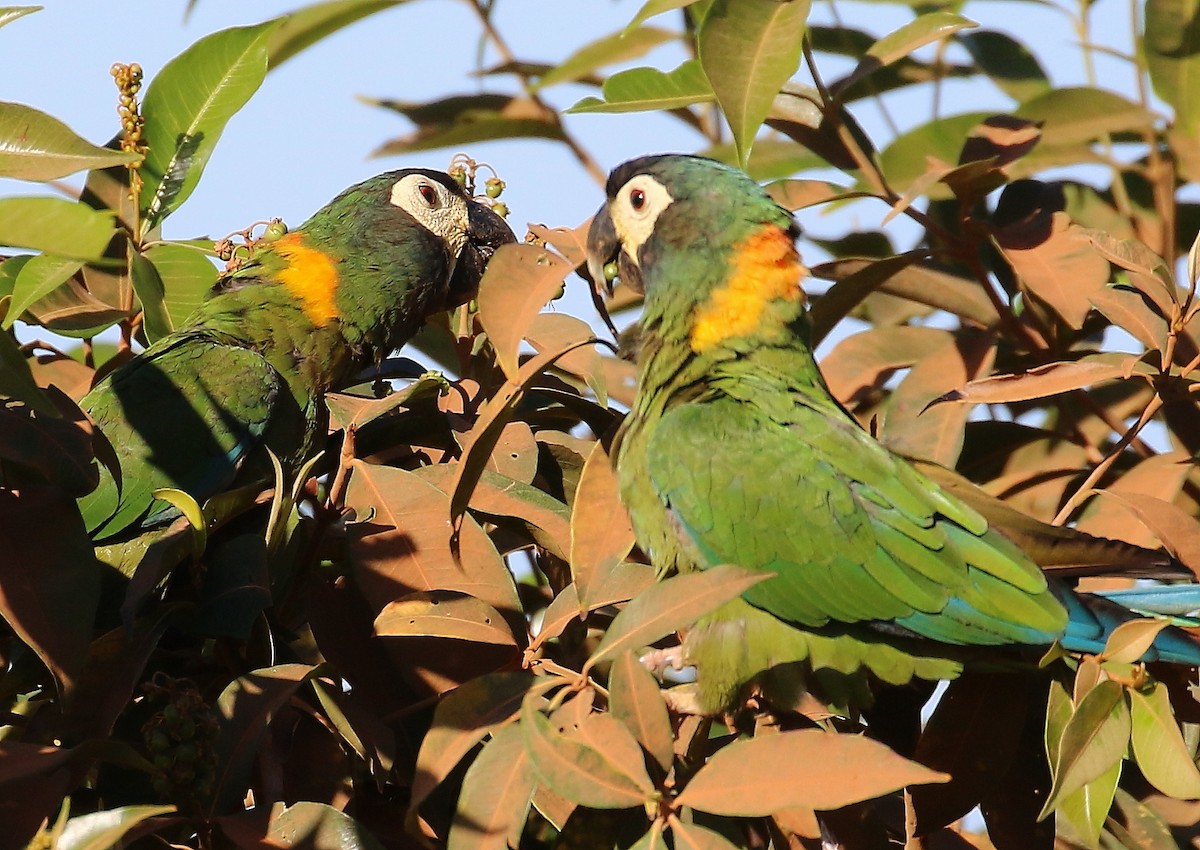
<point>658,661</point>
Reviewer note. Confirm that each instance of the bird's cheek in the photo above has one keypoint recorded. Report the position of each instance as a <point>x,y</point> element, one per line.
<point>630,273</point>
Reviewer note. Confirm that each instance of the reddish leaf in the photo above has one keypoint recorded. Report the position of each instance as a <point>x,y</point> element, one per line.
<point>552,331</point>
<point>670,605</point>
<point>571,243</point>
<point>601,531</point>
<point>406,546</point>
<point>516,454</point>
<point>613,740</point>
<point>915,428</point>
<point>577,771</point>
<point>464,718</point>
<point>1128,310</point>
<point>805,767</point>
<point>346,410</point>
<point>49,578</point>
<point>635,699</point>
<point>1042,381</point>
<point>1160,476</point>
<point>625,581</point>
<point>246,706</point>
<point>1178,530</point>
<point>519,280</point>
<point>1056,262</point>
<point>798,194</point>
<point>479,443</point>
<point>443,613</point>
<point>865,360</point>
<point>692,836</point>
<point>494,800</point>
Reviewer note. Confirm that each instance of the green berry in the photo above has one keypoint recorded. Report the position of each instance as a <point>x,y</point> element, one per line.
<point>274,231</point>
<point>610,271</point>
<point>494,187</point>
<point>159,742</point>
<point>500,208</point>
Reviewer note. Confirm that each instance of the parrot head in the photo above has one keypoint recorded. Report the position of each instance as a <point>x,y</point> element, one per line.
<point>701,240</point>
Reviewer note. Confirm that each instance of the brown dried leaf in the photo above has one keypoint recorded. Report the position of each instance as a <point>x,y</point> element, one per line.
<point>601,531</point>
<point>636,700</point>
<point>670,605</point>
<point>519,280</point>
<point>443,613</point>
<point>754,777</point>
<point>1057,263</point>
<point>1047,380</point>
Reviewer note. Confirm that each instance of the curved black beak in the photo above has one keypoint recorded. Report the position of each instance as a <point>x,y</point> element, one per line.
<point>603,247</point>
<point>486,232</point>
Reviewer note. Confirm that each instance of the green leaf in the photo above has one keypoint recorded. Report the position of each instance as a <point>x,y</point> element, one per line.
<point>749,49</point>
<point>56,226</point>
<point>8,14</point>
<point>618,47</point>
<point>318,826</point>
<point>16,379</point>
<point>186,108</point>
<point>906,158</point>
<point>150,292</point>
<point>304,27</point>
<point>102,830</point>
<point>1095,738</point>
<point>643,89</point>
<point>38,277</point>
<point>925,29</point>
<point>37,146</point>
<point>1085,810</point>
<point>1080,115</point>
<point>1158,745</point>
<point>1171,43</point>
<point>187,276</point>
<point>1008,62</point>
<point>655,7</point>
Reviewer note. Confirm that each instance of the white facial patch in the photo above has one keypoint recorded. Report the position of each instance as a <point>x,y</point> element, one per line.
<point>441,211</point>
<point>635,210</point>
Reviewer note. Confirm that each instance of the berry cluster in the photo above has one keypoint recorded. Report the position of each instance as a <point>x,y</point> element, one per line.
<point>129,83</point>
<point>181,738</point>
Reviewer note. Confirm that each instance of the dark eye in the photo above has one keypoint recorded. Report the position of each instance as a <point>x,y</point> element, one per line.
<point>428,194</point>
<point>637,199</point>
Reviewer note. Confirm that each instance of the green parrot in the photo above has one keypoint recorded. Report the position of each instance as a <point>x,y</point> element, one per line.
<point>201,407</point>
<point>734,452</point>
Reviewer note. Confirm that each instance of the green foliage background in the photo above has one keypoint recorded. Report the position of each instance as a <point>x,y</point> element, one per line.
<point>430,637</point>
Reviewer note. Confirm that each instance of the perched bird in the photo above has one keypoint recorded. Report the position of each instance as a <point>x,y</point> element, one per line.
<point>201,407</point>
<point>734,452</point>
